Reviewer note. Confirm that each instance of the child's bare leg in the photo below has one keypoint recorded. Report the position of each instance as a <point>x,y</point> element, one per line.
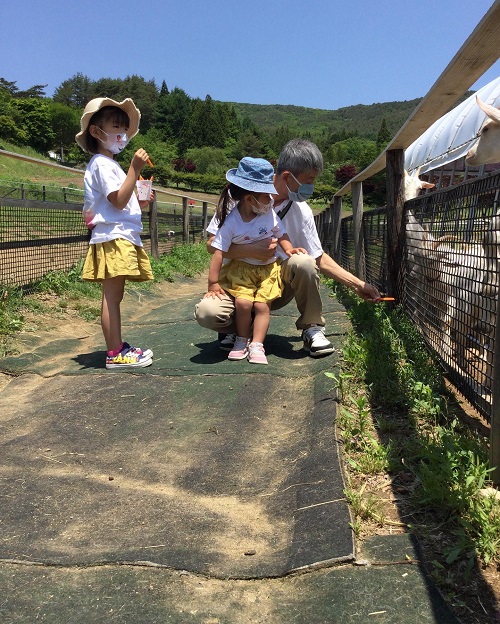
<point>243,317</point>
<point>261,321</point>
<point>112,295</point>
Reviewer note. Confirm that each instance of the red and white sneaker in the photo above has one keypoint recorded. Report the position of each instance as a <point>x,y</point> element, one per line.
<point>147,353</point>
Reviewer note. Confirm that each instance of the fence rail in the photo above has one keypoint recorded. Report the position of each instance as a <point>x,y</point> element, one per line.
<point>42,230</point>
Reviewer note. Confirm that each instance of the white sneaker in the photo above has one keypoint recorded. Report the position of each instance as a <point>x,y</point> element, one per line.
<point>315,342</point>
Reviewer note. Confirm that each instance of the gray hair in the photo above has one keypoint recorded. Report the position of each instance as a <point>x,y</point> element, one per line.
<point>299,156</point>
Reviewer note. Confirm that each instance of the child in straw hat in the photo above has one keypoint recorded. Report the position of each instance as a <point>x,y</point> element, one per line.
<point>113,213</point>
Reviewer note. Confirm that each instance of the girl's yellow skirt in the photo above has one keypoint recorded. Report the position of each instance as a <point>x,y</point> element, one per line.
<point>253,282</point>
<point>117,258</point>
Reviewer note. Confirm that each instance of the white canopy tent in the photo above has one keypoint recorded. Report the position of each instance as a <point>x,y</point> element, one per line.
<point>451,136</point>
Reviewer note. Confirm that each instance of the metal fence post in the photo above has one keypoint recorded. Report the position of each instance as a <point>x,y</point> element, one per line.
<point>395,217</point>
<point>335,245</point>
<point>204,220</point>
<point>495,405</point>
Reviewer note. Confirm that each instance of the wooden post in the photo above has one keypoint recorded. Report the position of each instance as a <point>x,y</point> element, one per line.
<point>336,245</point>
<point>153,226</point>
<point>327,220</point>
<point>357,221</point>
<point>185,220</point>
<point>320,227</point>
<point>395,220</point>
<point>495,405</point>
<point>204,220</point>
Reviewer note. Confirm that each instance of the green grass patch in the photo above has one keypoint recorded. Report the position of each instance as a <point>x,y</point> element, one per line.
<point>398,419</point>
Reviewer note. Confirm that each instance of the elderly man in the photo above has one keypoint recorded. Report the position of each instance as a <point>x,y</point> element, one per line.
<point>299,164</point>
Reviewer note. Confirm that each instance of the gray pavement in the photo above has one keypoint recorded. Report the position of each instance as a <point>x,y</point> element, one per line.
<point>195,490</point>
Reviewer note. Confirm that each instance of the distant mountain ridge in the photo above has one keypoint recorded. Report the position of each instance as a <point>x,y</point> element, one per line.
<point>363,119</point>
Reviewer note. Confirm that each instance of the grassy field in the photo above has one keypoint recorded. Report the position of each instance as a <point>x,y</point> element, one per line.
<point>20,171</point>
<point>416,460</point>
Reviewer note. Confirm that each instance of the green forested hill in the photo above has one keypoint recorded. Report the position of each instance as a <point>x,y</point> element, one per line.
<point>193,142</point>
<point>364,120</point>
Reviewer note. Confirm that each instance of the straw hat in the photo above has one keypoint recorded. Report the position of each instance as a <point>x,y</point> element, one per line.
<point>128,106</point>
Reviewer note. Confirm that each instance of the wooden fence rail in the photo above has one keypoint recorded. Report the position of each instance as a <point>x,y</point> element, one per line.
<point>39,235</point>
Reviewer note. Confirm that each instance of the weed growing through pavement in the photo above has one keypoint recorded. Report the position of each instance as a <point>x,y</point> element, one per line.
<point>396,418</point>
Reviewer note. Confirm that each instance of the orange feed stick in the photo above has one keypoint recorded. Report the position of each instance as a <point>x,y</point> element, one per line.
<point>150,163</point>
<point>386,299</point>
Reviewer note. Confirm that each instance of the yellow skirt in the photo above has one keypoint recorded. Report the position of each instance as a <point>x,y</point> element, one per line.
<point>253,282</point>
<point>117,258</point>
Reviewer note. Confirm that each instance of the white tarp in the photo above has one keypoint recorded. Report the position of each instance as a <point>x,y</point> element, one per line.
<point>451,137</point>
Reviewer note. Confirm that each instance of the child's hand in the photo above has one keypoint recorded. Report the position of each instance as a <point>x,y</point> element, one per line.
<point>144,203</point>
<point>214,290</point>
<point>139,160</point>
<point>296,250</point>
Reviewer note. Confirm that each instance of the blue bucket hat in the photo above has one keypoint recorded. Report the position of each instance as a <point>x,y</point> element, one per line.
<point>253,174</point>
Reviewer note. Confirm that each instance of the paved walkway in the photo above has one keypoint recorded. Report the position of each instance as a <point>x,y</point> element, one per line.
<point>196,490</point>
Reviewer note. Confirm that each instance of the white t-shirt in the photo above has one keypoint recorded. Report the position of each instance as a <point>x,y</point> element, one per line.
<point>235,230</point>
<point>300,227</point>
<point>102,177</point>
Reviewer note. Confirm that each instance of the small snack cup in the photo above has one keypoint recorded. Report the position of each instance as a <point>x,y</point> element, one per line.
<point>144,188</point>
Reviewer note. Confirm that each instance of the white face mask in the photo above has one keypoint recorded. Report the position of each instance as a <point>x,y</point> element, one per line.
<point>262,208</point>
<point>115,142</point>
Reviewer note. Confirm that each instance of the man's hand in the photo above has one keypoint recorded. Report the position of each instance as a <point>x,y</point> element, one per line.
<point>296,250</point>
<point>368,292</point>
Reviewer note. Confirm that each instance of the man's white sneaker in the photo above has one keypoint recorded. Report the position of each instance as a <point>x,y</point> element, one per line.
<point>315,342</point>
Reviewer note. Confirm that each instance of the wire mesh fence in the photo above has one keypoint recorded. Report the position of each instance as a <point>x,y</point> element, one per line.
<point>42,230</point>
<point>452,280</point>
<point>450,276</point>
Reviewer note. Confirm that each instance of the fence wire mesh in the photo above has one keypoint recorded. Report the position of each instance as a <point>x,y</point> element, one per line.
<point>450,276</point>
<point>374,236</point>
<point>42,230</point>
<point>452,281</point>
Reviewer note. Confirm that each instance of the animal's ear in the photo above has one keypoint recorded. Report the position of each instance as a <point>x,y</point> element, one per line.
<point>491,111</point>
<point>427,184</point>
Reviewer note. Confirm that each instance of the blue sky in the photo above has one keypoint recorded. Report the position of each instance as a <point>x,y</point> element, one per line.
<point>315,53</point>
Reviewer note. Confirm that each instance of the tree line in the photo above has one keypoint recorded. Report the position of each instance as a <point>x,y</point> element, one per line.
<point>192,142</point>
